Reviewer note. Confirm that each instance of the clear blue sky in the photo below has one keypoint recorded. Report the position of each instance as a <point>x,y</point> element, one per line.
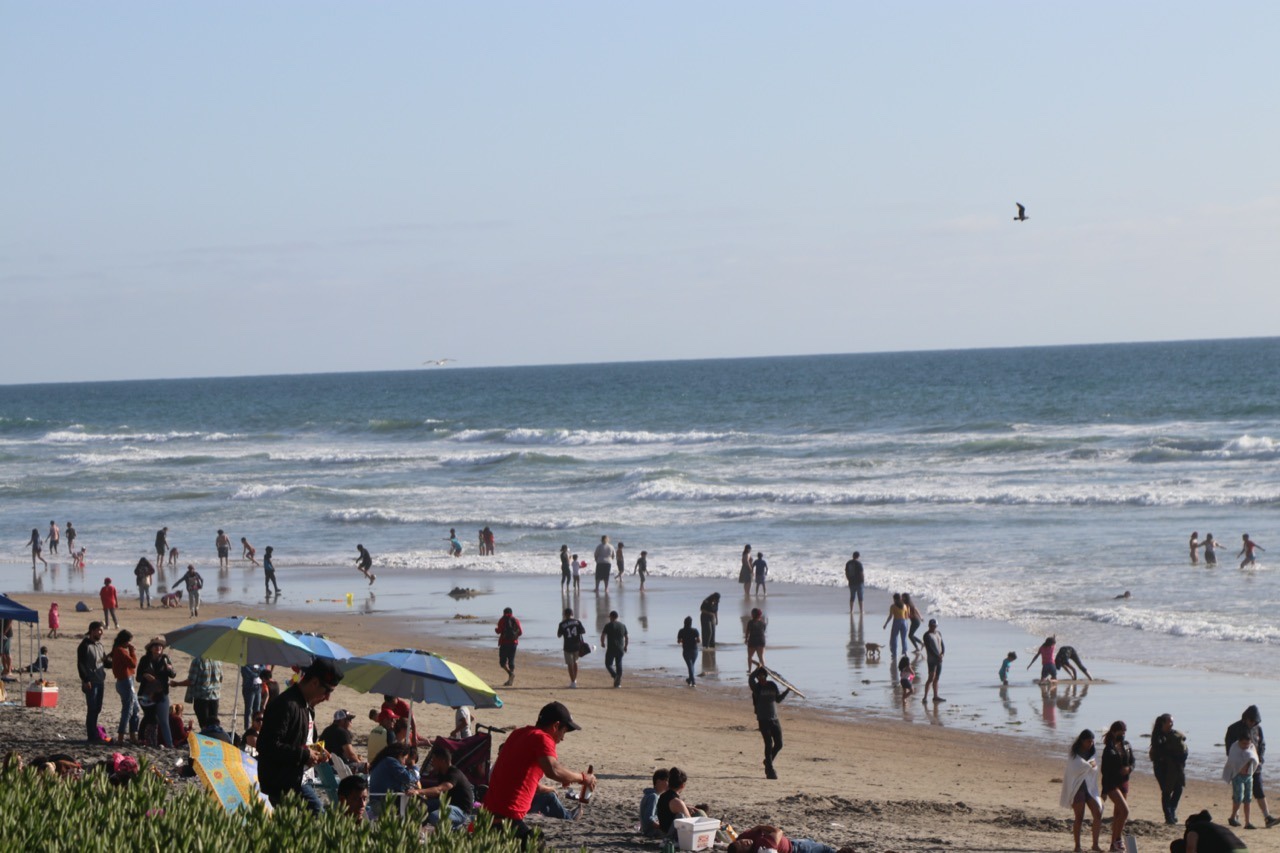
<point>192,189</point>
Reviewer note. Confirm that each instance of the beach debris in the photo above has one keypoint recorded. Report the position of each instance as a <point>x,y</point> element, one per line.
<point>463,592</point>
<point>464,616</point>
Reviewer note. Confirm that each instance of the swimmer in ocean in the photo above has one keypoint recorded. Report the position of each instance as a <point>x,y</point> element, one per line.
<point>1247,551</point>
<point>1194,545</point>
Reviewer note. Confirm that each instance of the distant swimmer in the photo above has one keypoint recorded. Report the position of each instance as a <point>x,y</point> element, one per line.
<point>1022,214</point>
<point>1064,659</point>
<point>1247,551</point>
<point>1194,545</point>
<point>1209,544</point>
<point>1124,596</point>
<point>365,563</point>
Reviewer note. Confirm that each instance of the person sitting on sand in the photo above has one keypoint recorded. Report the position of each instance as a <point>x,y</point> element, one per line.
<point>765,837</point>
<point>649,827</point>
<point>1064,659</point>
<point>1202,835</point>
<point>671,806</point>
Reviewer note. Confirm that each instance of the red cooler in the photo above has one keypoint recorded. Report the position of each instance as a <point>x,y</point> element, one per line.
<point>42,695</point>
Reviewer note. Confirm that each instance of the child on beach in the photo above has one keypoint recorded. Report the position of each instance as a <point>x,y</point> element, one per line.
<point>1247,551</point>
<point>247,551</point>
<point>642,567</point>
<point>1004,667</point>
<point>77,559</point>
<point>577,567</point>
<point>55,621</point>
<point>1048,671</point>
<point>906,677</point>
<point>1242,761</point>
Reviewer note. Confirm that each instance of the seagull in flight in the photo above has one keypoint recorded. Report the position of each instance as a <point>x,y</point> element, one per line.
<point>438,362</point>
<point>1022,214</point>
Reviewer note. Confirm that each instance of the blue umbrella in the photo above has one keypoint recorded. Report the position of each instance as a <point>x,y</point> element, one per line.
<point>419,677</point>
<point>321,646</point>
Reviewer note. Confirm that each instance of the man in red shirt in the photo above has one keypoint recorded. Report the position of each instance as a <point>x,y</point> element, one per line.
<point>529,754</point>
<point>508,631</point>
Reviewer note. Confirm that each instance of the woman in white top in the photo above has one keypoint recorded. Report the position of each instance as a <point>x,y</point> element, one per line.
<point>1080,787</point>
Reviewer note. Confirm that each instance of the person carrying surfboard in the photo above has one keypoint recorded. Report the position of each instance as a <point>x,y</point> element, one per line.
<point>765,697</point>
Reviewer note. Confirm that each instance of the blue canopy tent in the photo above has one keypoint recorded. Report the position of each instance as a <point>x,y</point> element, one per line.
<point>11,610</point>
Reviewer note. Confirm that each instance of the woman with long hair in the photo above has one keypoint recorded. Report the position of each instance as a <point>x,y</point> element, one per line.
<point>1117,764</point>
<point>899,612</point>
<point>124,666</point>
<point>1080,786</point>
<point>1168,762</point>
<point>744,574</point>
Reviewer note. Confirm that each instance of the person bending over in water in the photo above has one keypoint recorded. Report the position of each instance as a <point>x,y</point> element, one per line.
<point>1247,551</point>
<point>248,552</point>
<point>1065,658</point>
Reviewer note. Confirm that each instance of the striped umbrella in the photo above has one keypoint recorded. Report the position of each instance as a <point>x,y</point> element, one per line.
<point>419,677</point>
<point>240,640</point>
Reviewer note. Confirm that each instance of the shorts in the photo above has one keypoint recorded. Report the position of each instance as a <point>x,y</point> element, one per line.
<point>5,644</point>
<point>224,552</point>
<point>570,656</point>
<point>855,592</point>
<point>905,682</point>
<point>1048,671</point>
<point>935,667</point>
<point>1241,789</point>
<point>1258,793</point>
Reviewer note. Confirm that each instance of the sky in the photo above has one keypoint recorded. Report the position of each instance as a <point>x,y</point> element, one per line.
<point>214,189</point>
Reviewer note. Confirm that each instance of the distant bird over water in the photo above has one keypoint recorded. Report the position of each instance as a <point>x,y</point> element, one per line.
<point>438,362</point>
<point>1022,214</point>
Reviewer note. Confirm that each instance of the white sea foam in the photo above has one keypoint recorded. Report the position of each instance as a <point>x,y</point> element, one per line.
<point>77,437</point>
<point>582,437</point>
<point>370,515</point>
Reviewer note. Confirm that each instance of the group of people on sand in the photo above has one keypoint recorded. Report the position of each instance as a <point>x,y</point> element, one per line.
<point>1210,546</point>
<point>1089,782</point>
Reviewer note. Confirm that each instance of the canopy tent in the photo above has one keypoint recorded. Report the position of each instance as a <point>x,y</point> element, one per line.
<point>12,610</point>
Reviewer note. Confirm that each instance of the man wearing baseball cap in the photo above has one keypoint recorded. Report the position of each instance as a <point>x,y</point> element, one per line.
<point>529,754</point>
<point>337,740</point>
<point>287,743</point>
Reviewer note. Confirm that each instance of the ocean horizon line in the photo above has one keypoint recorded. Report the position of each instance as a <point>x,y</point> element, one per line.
<point>641,362</point>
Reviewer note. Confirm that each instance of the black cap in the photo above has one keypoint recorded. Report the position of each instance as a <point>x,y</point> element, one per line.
<point>554,712</point>
<point>325,670</point>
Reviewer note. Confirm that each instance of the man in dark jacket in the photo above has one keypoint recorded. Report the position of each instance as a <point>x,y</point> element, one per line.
<point>286,745</point>
<point>1250,723</point>
<point>89,662</point>
<point>765,696</point>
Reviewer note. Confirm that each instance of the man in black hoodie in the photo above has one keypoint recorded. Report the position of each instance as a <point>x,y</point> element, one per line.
<point>286,744</point>
<point>1250,723</point>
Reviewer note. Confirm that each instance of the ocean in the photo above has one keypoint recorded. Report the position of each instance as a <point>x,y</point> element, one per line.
<point>1027,487</point>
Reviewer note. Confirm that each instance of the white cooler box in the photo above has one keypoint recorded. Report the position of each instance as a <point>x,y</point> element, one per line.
<point>696,833</point>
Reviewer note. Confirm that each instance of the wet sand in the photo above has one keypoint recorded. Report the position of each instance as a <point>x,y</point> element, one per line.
<point>848,776</point>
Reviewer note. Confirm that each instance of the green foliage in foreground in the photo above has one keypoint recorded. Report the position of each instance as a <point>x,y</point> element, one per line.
<point>40,812</point>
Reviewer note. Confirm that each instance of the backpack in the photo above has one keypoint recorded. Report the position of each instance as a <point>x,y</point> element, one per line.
<point>510,633</point>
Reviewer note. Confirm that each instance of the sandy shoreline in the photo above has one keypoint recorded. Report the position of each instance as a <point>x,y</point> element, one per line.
<point>871,783</point>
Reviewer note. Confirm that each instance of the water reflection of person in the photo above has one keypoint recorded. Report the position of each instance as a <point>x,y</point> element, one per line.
<point>1048,703</point>
<point>1068,701</point>
<point>857,648</point>
<point>708,662</point>
<point>1010,708</point>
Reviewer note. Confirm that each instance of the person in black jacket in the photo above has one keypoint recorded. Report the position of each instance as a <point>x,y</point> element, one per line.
<point>710,617</point>
<point>286,744</point>
<point>1204,836</point>
<point>765,696</point>
<point>1250,723</point>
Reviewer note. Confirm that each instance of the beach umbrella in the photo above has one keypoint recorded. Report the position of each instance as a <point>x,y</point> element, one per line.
<point>419,677</point>
<point>230,774</point>
<point>240,640</point>
<point>321,646</point>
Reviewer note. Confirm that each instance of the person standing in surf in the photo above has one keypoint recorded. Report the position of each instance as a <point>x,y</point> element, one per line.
<point>566,576</point>
<point>269,570</point>
<point>745,573</point>
<point>1209,544</point>
<point>36,542</point>
<point>642,567</point>
<point>754,635</point>
<point>854,575</point>
<point>761,572</point>
<point>1247,551</point>
<point>604,564</point>
<point>1194,545</point>
<point>54,537</point>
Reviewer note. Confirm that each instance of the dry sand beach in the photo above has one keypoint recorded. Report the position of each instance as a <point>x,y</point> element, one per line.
<point>871,784</point>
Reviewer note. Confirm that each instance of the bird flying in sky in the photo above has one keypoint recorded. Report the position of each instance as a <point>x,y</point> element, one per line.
<point>1022,214</point>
